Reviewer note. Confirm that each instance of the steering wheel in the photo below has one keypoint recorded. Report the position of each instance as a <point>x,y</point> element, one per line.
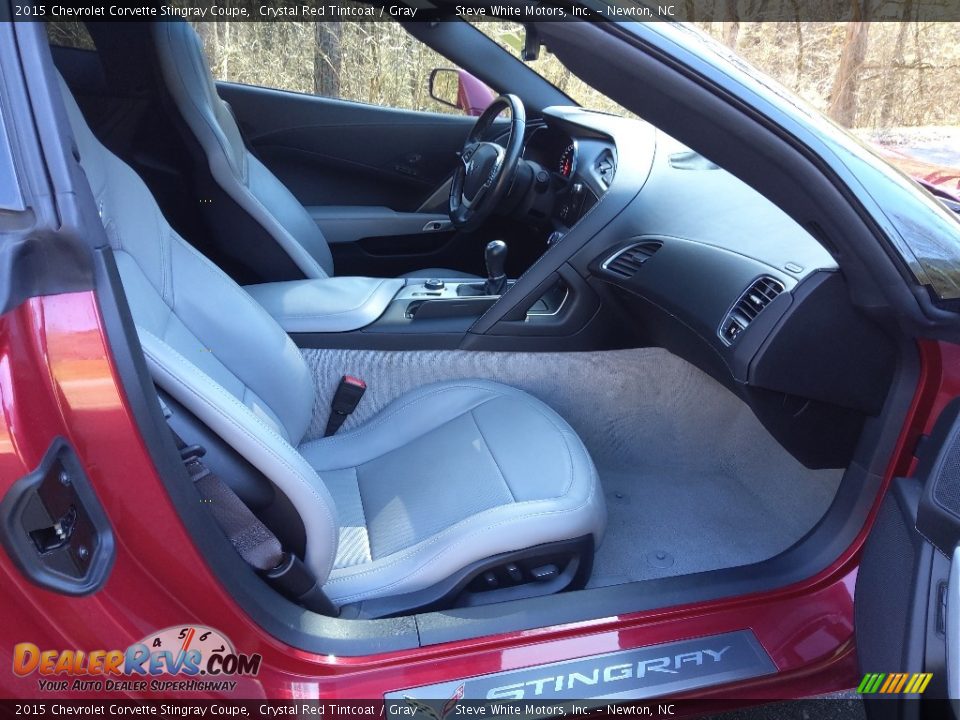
<point>486,169</point>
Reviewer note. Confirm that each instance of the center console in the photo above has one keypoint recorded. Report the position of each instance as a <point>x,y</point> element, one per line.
<point>554,305</point>
<point>416,312</point>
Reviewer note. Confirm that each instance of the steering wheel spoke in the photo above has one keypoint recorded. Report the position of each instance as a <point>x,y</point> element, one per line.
<point>487,168</point>
<point>468,150</point>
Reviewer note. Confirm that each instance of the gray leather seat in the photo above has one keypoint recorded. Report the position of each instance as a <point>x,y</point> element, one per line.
<point>256,190</point>
<point>446,476</point>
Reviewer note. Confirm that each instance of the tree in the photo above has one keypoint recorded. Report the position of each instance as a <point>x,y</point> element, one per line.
<point>327,59</point>
<point>843,97</point>
<point>211,43</point>
<point>894,71</point>
<point>731,27</point>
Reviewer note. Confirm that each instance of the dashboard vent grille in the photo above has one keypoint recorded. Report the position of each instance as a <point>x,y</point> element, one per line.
<point>754,299</point>
<point>606,168</point>
<point>626,262</point>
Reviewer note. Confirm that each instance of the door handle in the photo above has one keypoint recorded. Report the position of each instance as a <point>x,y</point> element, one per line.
<point>437,225</point>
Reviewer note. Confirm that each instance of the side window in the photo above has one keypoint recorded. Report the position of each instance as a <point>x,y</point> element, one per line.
<point>70,34</point>
<point>378,63</point>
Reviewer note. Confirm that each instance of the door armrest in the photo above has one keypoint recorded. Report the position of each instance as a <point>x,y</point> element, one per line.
<point>344,224</point>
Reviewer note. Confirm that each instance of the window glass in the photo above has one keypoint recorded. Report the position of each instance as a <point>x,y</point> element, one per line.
<point>369,62</point>
<point>69,33</point>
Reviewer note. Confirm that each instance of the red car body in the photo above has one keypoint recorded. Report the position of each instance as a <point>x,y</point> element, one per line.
<point>57,378</point>
<point>942,177</point>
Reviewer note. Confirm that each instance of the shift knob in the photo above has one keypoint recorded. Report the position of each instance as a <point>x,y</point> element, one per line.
<point>495,255</point>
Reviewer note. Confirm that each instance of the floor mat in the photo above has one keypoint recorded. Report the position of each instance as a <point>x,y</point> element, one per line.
<point>693,481</point>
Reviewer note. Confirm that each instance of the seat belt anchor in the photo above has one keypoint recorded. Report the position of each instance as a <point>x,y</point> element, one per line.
<point>345,401</point>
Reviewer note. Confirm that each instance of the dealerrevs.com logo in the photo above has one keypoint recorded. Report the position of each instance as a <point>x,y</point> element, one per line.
<point>178,659</point>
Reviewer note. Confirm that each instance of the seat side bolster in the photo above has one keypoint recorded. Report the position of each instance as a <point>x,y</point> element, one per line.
<point>245,179</point>
<point>256,441</point>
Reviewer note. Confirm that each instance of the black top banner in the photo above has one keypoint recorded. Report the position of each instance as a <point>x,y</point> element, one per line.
<point>733,11</point>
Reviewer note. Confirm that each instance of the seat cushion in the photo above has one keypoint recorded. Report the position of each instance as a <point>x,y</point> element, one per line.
<point>442,273</point>
<point>447,475</point>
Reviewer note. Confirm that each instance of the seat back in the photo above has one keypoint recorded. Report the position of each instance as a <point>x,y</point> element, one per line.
<point>207,343</point>
<point>258,192</point>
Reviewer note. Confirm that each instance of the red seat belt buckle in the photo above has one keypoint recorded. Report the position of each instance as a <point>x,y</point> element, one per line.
<point>345,401</point>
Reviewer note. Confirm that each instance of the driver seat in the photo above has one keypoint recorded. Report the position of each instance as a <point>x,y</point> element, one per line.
<point>237,172</point>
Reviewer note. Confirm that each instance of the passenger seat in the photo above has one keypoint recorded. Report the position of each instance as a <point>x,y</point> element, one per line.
<point>435,488</point>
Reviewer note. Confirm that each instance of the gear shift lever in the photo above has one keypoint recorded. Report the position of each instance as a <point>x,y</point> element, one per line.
<point>495,256</point>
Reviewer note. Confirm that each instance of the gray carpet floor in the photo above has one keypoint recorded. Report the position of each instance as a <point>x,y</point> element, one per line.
<point>693,481</point>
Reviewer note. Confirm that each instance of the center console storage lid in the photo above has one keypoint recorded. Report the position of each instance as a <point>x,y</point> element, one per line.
<point>321,305</point>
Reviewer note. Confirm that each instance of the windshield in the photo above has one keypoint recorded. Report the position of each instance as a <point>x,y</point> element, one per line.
<point>893,85</point>
<point>510,36</point>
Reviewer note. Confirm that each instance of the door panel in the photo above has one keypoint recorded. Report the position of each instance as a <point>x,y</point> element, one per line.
<point>337,157</point>
<point>386,166</point>
<point>332,152</point>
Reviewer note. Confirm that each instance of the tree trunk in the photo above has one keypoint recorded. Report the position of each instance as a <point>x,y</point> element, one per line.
<point>893,80</point>
<point>223,42</point>
<point>211,43</point>
<point>843,97</point>
<point>327,59</point>
<point>731,27</point>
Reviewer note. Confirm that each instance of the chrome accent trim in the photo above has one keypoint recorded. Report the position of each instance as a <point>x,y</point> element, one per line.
<point>566,294</point>
<point>437,225</point>
<point>651,671</point>
<point>646,241</point>
<point>605,264</point>
<point>783,289</point>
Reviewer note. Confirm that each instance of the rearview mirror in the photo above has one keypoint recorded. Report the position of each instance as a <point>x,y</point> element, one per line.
<point>531,43</point>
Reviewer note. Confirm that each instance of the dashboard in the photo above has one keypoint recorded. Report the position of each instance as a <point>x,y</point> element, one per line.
<point>581,168</point>
<point>700,263</point>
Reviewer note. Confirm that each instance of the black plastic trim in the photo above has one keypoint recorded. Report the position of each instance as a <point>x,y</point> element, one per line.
<point>454,591</point>
<point>59,479</point>
<point>35,259</point>
<point>938,518</point>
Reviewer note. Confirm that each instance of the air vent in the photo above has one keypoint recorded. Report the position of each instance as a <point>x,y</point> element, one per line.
<point>606,167</point>
<point>626,262</point>
<point>754,299</point>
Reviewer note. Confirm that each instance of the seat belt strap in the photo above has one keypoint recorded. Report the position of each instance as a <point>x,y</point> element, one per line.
<point>253,540</point>
<point>248,535</point>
